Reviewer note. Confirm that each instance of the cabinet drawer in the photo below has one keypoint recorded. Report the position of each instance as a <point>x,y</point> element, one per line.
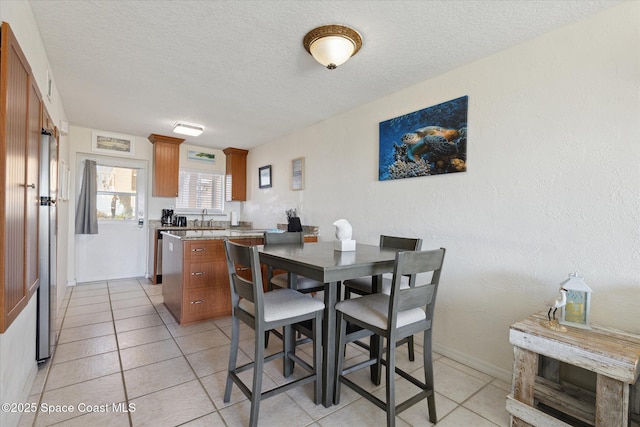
<point>205,303</point>
<point>199,274</point>
<point>203,249</point>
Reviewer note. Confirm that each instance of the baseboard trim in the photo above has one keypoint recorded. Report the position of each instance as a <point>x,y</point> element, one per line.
<point>472,362</point>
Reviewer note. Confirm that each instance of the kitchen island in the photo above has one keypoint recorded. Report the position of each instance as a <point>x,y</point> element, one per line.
<point>195,281</point>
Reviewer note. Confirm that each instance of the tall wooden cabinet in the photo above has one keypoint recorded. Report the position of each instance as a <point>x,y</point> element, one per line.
<point>166,163</point>
<point>20,127</point>
<point>236,174</point>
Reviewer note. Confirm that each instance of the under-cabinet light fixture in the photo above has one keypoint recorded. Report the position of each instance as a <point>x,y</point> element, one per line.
<point>190,129</point>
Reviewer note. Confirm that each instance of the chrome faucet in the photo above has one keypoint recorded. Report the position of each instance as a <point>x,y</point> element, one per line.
<point>204,212</point>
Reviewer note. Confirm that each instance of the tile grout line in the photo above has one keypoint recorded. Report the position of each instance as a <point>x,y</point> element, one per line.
<point>124,384</point>
<point>50,360</point>
<point>461,404</point>
<point>186,359</point>
<point>215,408</point>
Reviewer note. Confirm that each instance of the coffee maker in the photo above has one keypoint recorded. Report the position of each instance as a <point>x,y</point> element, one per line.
<point>167,216</point>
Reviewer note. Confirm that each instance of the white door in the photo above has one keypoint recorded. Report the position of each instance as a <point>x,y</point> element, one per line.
<point>119,250</point>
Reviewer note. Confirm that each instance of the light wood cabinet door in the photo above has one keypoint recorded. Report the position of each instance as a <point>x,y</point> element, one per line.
<point>19,160</point>
<point>32,207</point>
<point>236,174</point>
<point>166,163</point>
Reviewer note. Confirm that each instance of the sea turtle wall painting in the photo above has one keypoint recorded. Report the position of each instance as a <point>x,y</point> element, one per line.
<point>430,141</point>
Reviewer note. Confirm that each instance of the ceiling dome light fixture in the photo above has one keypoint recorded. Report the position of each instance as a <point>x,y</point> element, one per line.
<point>190,129</point>
<point>332,45</point>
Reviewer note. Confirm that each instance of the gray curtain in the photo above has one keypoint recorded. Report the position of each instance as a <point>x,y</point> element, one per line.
<point>86,211</point>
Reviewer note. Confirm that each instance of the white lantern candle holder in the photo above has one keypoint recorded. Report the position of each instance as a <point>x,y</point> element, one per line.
<point>576,311</point>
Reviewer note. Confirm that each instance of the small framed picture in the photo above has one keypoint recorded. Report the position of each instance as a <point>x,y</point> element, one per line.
<point>201,156</point>
<point>297,174</point>
<point>112,144</point>
<point>264,177</point>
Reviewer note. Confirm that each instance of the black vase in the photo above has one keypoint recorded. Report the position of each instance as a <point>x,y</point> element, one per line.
<point>294,224</point>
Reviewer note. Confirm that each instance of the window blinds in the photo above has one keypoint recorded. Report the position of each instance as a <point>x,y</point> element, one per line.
<point>200,190</point>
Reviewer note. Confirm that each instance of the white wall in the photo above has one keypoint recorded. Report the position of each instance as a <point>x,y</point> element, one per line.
<point>552,187</point>
<point>17,344</point>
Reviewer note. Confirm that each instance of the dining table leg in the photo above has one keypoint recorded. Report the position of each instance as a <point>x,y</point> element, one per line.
<point>329,353</point>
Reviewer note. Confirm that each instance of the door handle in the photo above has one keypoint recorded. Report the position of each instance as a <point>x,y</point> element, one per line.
<point>29,185</point>
<point>200,301</point>
<point>198,250</point>
<point>197,273</point>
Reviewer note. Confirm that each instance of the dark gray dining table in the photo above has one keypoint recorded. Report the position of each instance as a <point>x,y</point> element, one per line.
<point>319,261</point>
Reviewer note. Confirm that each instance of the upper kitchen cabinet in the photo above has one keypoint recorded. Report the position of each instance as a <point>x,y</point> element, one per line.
<point>20,126</point>
<point>166,162</point>
<point>236,174</point>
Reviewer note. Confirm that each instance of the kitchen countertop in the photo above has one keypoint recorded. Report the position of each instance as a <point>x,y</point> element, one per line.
<point>195,234</point>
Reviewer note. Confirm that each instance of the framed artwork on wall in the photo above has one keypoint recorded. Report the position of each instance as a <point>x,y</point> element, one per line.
<point>264,177</point>
<point>201,156</point>
<point>112,144</point>
<point>297,174</point>
<point>431,141</point>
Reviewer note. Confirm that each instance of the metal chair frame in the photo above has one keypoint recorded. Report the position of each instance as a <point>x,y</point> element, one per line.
<point>252,291</point>
<point>401,300</point>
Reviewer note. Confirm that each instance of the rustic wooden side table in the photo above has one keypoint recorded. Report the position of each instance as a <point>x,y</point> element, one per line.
<point>612,354</point>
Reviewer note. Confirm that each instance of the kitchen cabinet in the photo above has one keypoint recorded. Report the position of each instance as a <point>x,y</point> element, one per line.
<point>20,127</point>
<point>236,174</point>
<point>166,162</point>
<point>195,279</point>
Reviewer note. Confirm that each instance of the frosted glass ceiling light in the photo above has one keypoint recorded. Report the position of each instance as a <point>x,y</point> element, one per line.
<point>190,129</point>
<point>332,45</point>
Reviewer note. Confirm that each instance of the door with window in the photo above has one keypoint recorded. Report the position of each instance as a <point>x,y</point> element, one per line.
<point>119,249</point>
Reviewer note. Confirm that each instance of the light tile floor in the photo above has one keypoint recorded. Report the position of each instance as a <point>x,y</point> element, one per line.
<point>122,360</point>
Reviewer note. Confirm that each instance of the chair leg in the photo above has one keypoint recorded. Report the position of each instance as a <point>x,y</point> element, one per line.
<point>412,354</point>
<point>342,348</point>
<point>233,356</point>
<point>390,383</point>
<point>256,389</point>
<point>376,351</point>
<point>428,376</point>
<point>317,357</point>
<point>288,343</point>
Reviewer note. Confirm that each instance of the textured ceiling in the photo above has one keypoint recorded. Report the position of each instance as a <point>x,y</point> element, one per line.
<point>239,67</point>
